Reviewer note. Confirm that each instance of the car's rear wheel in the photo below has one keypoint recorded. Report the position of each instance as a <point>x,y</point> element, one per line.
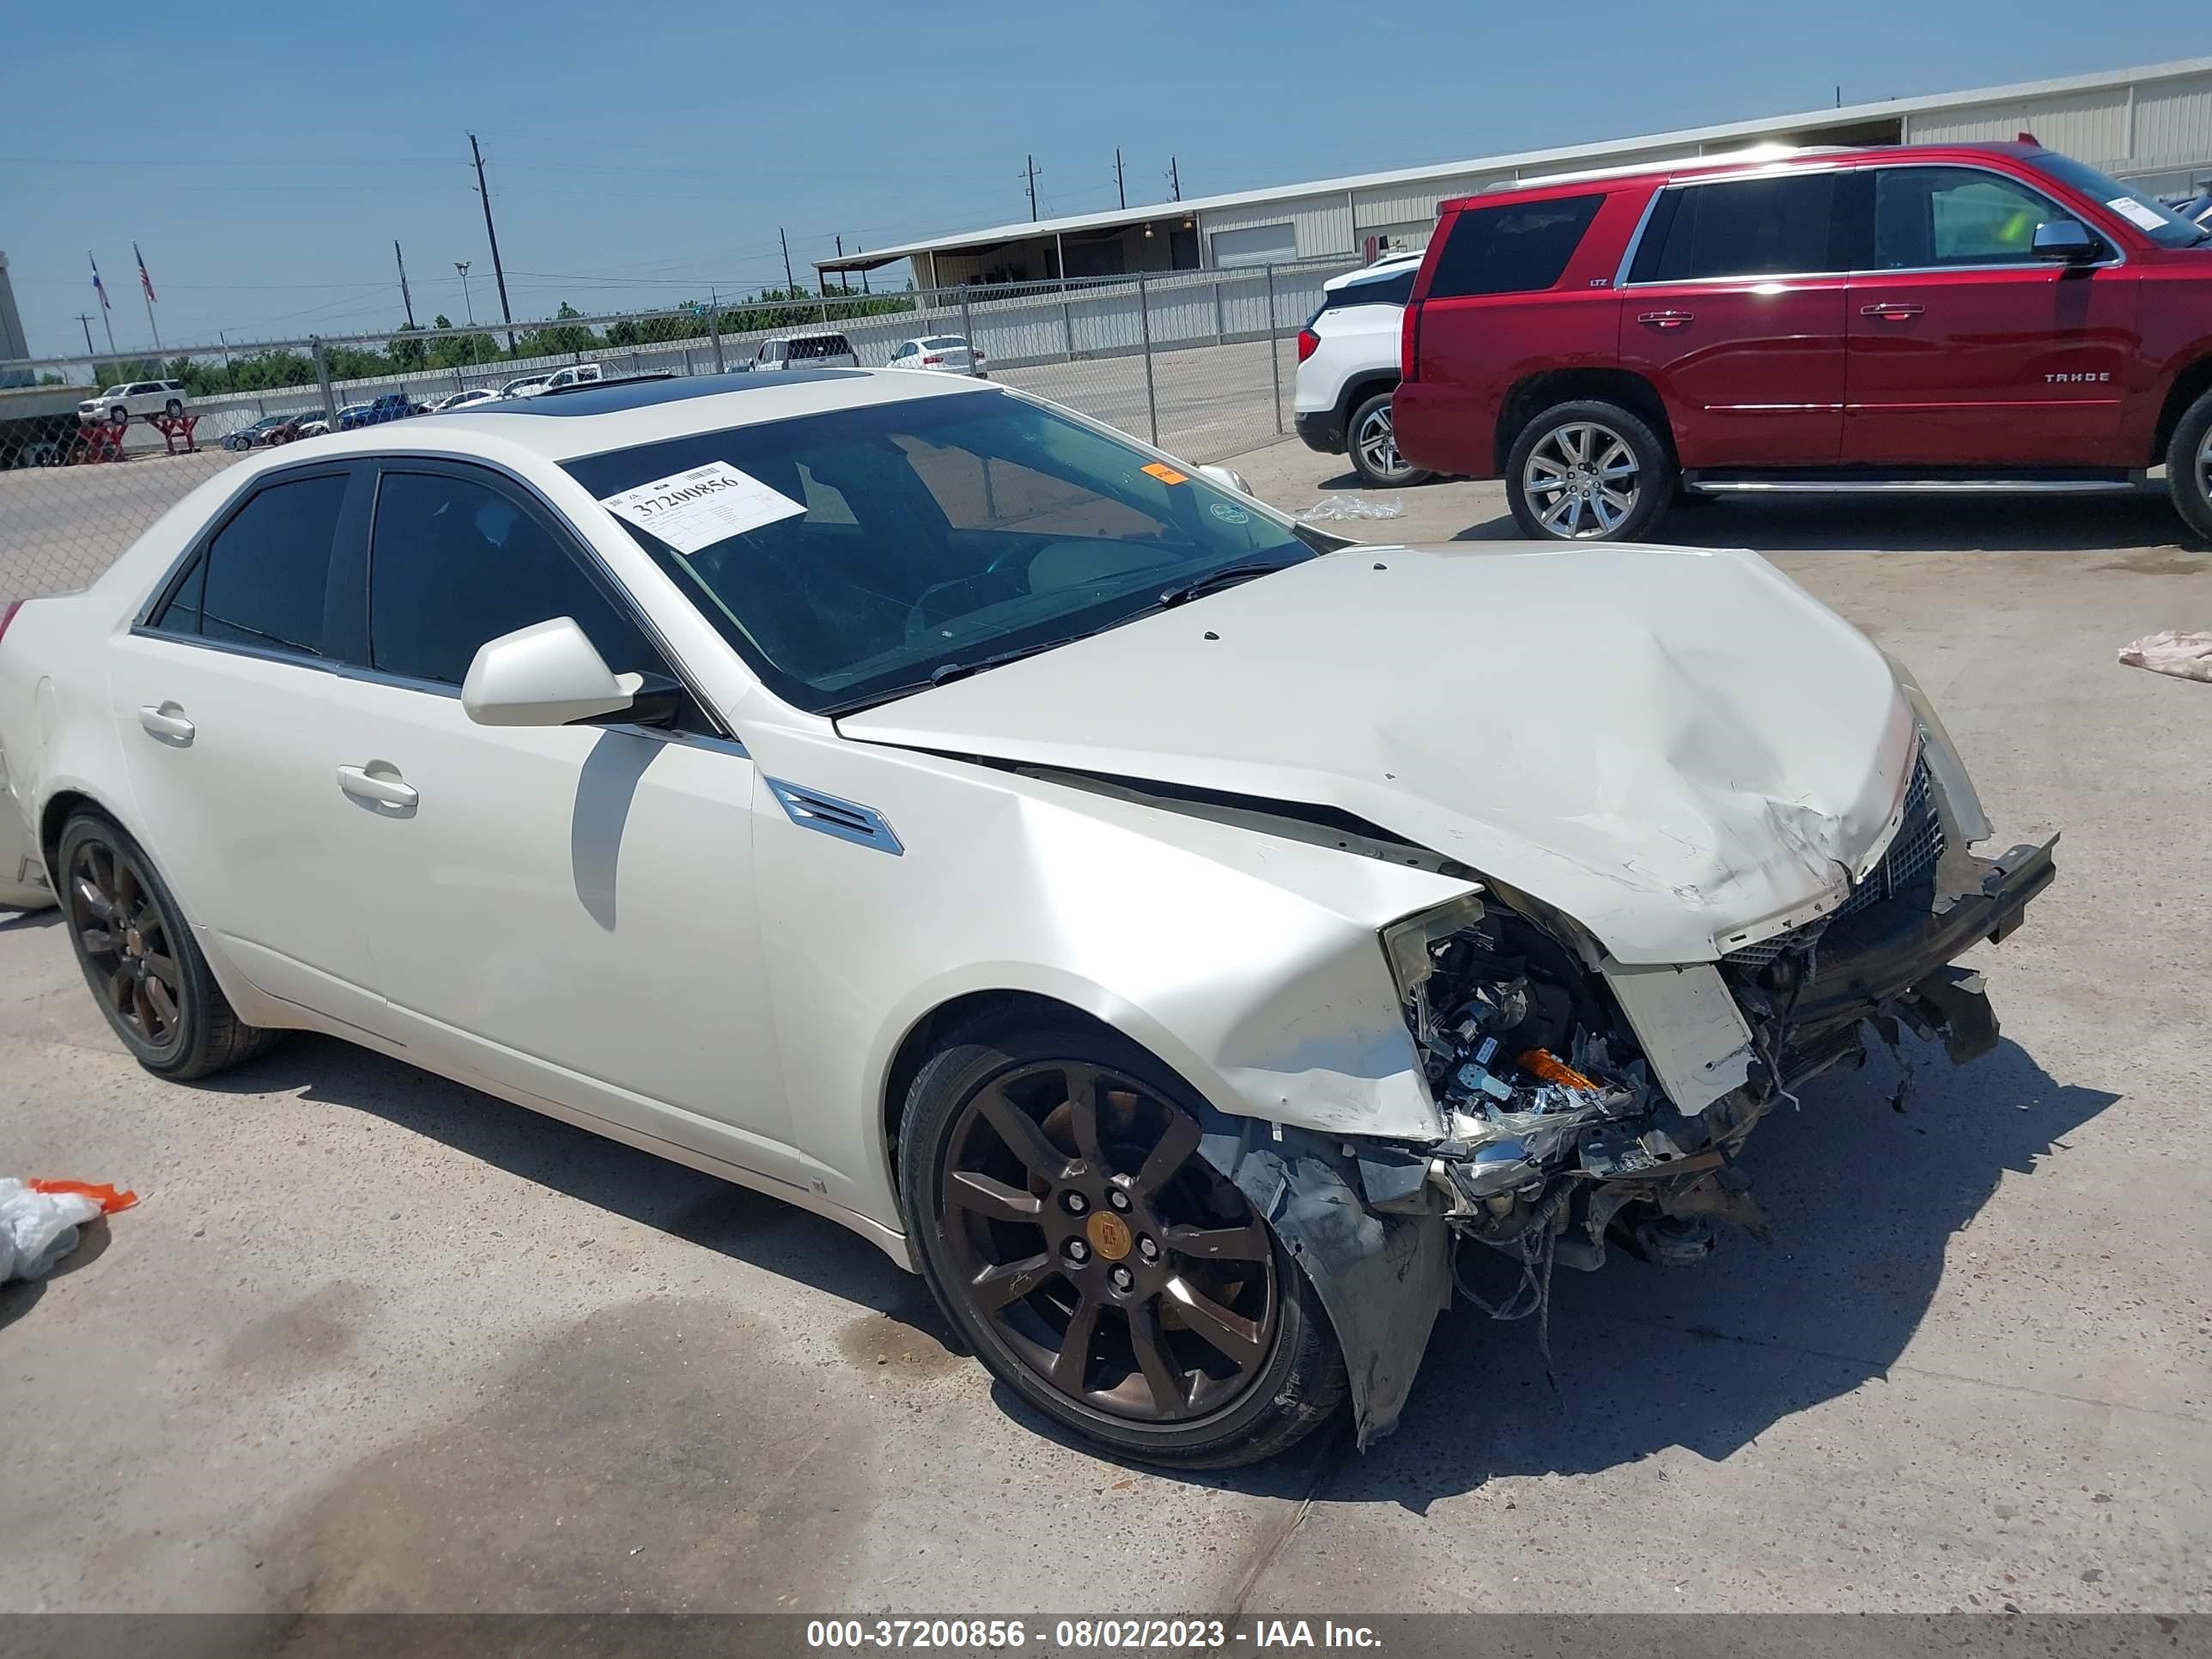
<point>1587,472</point>
<point>1374,447</point>
<point>139,958</point>
<point>2189,466</point>
<point>1099,1265</point>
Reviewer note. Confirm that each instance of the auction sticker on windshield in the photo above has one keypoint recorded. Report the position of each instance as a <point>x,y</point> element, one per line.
<point>709,504</point>
<point>2136,213</point>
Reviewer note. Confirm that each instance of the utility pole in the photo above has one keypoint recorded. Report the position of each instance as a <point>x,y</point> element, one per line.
<point>1175,181</point>
<point>85,317</point>
<point>1032,171</point>
<point>406,298</point>
<point>857,248</point>
<point>492,236</point>
<point>790,288</point>
<point>462,266</point>
<point>1119,188</point>
<point>844,278</point>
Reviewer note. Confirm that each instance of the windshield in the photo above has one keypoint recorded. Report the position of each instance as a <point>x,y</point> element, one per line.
<point>926,537</point>
<point>2145,213</point>
<point>113,391</point>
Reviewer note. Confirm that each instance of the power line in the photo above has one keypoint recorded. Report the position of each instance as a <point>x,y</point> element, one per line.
<point>492,237</point>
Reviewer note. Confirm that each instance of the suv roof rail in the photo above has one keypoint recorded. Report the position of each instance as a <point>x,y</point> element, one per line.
<point>1767,152</point>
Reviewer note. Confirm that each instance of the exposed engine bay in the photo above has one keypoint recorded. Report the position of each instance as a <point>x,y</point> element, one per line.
<point>1566,1129</point>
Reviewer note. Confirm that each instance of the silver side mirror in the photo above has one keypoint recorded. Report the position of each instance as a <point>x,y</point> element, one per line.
<point>1228,478</point>
<point>2066,238</point>
<point>546,674</point>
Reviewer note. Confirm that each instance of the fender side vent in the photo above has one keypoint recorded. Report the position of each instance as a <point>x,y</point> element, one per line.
<point>847,820</point>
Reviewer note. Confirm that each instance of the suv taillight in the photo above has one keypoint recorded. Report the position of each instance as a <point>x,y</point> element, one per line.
<point>7,615</point>
<point>1309,342</point>
<point>1409,343</point>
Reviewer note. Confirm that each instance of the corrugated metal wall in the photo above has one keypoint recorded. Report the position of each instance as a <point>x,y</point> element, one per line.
<point>2161,137</point>
<point>2173,130</point>
<point>1323,223</point>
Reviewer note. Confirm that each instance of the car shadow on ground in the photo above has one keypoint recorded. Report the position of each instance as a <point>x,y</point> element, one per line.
<point>686,1203</point>
<point>1869,1206</point>
<point>2144,521</point>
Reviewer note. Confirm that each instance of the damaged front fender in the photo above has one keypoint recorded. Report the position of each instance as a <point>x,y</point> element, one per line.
<point>1382,1278</point>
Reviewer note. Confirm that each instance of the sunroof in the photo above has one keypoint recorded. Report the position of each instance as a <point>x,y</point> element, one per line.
<point>613,397</point>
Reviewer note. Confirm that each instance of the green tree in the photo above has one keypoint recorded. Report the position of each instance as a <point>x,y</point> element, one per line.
<point>407,352</point>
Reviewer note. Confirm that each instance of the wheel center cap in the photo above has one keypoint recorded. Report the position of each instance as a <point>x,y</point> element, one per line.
<point>1109,1234</point>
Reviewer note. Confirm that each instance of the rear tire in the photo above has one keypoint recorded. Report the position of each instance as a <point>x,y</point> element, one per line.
<point>1588,471</point>
<point>999,1217</point>
<point>140,959</point>
<point>2189,466</point>
<point>1372,445</point>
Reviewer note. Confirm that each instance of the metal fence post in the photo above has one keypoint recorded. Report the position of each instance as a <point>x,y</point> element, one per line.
<point>323,380</point>
<point>714,333</point>
<point>1067,321</point>
<point>1220,322</point>
<point>1145,328</point>
<point>968,330</point>
<point>1274,352</point>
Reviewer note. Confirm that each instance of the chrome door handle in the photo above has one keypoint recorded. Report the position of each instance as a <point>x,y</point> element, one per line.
<point>376,788</point>
<point>166,722</point>
<point>1665,318</point>
<point>1890,311</point>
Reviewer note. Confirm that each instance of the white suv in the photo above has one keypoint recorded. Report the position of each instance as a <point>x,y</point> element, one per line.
<point>806,352</point>
<point>1348,367</point>
<point>120,403</point>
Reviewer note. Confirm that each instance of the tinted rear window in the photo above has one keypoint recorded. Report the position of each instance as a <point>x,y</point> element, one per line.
<point>1517,248</point>
<point>261,580</point>
<point>820,345</point>
<point>1772,227</point>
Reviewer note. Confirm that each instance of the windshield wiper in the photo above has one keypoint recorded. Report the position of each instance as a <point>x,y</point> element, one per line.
<point>1228,576</point>
<point>945,673</point>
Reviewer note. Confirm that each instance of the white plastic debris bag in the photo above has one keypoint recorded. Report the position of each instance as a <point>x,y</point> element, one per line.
<point>39,1230</point>
<point>1345,510</point>
<point>2184,656</point>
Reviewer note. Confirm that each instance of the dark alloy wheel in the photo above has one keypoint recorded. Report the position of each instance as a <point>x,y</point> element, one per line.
<point>1374,447</point>
<point>1100,1267</point>
<point>2189,466</point>
<point>139,958</point>
<point>173,409</point>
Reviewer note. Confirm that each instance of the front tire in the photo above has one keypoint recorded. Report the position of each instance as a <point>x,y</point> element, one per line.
<point>140,959</point>
<point>1372,443</point>
<point>173,409</point>
<point>1098,1266</point>
<point>2189,466</point>
<point>1587,472</point>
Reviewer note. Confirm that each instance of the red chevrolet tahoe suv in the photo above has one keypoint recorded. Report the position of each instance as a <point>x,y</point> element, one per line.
<point>1965,317</point>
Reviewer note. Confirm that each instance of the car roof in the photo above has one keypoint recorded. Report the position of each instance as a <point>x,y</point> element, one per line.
<point>1390,265</point>
<point>1759,159</point>
<point>599,415</point>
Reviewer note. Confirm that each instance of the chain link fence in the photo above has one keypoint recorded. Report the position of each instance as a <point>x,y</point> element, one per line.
<point>92,450</point>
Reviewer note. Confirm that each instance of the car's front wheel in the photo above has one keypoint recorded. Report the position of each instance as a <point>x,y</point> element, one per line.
<point>2189,466</point>
<point>139,958</point>
<point>1097,1264</point>
<point>1587,472</point>
<point>173,409</point>
<point>1374,446</point>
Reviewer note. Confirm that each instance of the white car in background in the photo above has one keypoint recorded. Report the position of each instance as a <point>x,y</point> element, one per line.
<point>1348,367</point>
<point>948,354</point>
<point>937,810</point>
<point>825,350</point>
<point>134,399</point>
<point>524,386</point>
<point>574,374</point>
<point>464,400</point>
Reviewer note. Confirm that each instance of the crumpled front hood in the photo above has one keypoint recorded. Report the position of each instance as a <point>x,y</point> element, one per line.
<point>1674,746</point>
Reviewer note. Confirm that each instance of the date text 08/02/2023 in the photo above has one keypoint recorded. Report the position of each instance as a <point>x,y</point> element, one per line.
<point>1085,1635</point>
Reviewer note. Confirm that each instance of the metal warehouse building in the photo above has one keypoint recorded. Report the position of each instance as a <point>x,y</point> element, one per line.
<point>2151,127</point>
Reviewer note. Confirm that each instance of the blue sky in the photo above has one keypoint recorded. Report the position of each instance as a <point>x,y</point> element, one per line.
<point>642,155</point>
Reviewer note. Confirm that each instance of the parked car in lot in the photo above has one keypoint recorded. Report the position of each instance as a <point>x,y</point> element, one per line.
<point>806,352</point>
<point>947,354</point>
<point>574,374</point>
<point>304,424</point>
<point>912,800</point>
<point>119,404</point>
<point>1954,317</point>
<point>1348,367</point>
<point>464,400</point>
<point>523,385</point>
<point>262,432</point>
<point>391,406</point>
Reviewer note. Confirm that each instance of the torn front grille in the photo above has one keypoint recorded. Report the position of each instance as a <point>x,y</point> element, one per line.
<point>1918,843</point>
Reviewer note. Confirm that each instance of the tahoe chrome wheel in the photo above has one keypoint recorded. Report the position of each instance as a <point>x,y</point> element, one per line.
<point>1581,481</point>
<point>1114,1263</point>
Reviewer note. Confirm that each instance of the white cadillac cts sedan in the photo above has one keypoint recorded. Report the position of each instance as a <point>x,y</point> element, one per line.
<point>1171,931</point>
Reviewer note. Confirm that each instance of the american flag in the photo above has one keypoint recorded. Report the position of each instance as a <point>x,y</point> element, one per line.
<point>99,287</point>
<point>144,281</point>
